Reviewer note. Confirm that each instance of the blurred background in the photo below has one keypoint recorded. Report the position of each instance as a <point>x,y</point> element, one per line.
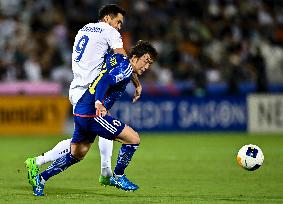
<point>220,65</point>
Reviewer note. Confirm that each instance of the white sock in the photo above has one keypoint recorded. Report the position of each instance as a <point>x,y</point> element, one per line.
<point>58,151</point>
<point>105,148</point>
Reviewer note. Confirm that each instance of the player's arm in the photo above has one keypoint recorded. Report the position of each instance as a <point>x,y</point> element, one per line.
<point>101,88</point>
<point>138,86</point>
<point>100,92</point>
<point>116,43</point>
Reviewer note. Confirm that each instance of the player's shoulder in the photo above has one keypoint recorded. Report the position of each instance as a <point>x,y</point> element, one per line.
<point>120,66</point>
<point>106,26</point>
<point>116,59</point>
<point>108,30</point>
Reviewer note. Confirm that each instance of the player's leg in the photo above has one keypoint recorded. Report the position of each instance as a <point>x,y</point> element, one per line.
<point>33,163</point>
<point>61,149</point>
<point>81,143</point>
<point>78,151</point>
<point>110,128</point>
<point>56,152</point>
<point>131,141</point>
<point>105,148</point>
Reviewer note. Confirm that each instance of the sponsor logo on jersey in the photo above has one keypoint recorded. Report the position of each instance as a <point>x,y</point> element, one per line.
<point>119,77</point>
<point>113,61</point>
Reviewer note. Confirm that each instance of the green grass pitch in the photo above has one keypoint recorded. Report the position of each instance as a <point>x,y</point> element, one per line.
<point>169,168</point>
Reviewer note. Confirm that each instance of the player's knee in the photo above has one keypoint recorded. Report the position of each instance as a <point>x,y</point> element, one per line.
<point>135,138</point>
<point>79,156</point>
<point>129,136</point>
<point>79,150</point>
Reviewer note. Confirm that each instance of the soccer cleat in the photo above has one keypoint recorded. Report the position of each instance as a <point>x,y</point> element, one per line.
<point>32,170</point>
<point>39,186</point>
<point>104,180</point>
<point>123,183</point>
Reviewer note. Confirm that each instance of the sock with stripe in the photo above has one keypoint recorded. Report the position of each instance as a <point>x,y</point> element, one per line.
<point>59,165</point>
<point>124,157</point>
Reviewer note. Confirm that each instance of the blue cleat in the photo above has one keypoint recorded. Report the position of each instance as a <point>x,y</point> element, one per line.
<point>123,183</point>
<point>39,187</point>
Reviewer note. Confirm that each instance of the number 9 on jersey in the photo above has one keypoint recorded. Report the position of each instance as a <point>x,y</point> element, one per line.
<point>80,47</point>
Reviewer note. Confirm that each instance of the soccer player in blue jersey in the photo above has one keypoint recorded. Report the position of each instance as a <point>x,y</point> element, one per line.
<point>91,119</point>
<point>91,44</point>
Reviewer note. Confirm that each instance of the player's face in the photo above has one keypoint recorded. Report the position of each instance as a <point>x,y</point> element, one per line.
<point>141,64</point>
<point>117,22</point>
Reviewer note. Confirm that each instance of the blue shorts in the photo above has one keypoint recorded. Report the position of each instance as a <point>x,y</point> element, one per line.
<point>86,129</point>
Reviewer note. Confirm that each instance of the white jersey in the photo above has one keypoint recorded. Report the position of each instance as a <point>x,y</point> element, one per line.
<point>90,46</point>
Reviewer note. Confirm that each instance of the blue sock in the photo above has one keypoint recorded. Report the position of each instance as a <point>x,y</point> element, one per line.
<point>124,157</point>
<point>59,165</point>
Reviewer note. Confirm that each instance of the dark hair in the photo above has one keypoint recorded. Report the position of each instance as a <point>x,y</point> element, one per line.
<point>143,47</point>
<point>110,9</point>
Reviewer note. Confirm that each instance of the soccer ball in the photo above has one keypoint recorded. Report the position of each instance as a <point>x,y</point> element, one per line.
<point>250,157</point>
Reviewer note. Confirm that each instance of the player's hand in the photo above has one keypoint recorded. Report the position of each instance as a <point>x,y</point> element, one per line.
<point>138,87</point>
<point>138,92</point>
<point>100,109</point>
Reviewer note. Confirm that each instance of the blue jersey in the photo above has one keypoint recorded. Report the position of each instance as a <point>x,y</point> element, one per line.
<point>107,87</point>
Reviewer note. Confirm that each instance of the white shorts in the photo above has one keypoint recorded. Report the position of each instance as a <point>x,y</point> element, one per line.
<point>75,94</point>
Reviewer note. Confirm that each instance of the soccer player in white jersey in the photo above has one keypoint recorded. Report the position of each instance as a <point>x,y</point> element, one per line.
<point>91,44</point>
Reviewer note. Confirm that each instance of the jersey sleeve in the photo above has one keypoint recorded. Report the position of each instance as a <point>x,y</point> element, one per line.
<point>114,39</point>
<point>116,62</point>
<point>102,87</point>
<point>113,77</point>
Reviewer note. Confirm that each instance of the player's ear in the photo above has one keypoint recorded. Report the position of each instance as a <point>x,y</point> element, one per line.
<point>107,18</point>
<point>135,58</point>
